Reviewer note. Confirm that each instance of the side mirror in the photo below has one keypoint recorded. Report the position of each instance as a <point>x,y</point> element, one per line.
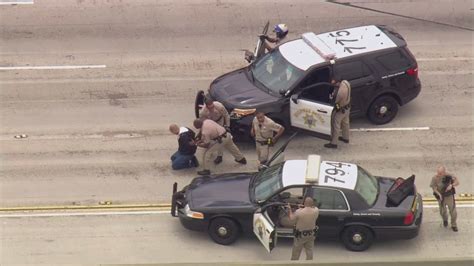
<point>282,92</point>
<point>285,195</point>
<point>294,98</point>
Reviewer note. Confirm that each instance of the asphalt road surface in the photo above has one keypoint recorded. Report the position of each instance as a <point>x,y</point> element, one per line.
<point>95,84</point>
<point>106,238</point>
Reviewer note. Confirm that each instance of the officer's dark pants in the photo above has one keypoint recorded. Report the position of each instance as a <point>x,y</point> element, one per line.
<point>182,161</point>
<point>306,242</point>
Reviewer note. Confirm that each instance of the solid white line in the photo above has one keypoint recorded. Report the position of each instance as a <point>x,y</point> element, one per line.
<point>16,3</point>
<point>52,67</point>
<point>66,214</point>
<point>445,59</point>
<point>457,206</point>
<point>117,213</point>
<point>389,129</point>
<point>57,137</point>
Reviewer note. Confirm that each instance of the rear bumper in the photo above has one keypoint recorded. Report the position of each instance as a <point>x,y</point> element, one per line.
<point>413,93</point>
<point>403,232</point>
<point>397,232</point>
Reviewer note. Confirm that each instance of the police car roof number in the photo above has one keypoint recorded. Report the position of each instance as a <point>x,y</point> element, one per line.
<point>338,174</point>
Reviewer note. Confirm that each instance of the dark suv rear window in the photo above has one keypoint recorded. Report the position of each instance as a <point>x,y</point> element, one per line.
<point>394,61</point>
<point>352,70</point>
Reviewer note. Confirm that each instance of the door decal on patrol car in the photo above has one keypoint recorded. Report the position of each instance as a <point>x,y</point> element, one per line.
<point>338,174</point>
<point>310,117</point>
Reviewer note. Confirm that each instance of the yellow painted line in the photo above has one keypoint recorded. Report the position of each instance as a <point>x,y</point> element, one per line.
<point>107,205</point>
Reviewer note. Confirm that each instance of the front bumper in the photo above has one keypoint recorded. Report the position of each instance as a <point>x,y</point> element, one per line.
<point>191,223</point>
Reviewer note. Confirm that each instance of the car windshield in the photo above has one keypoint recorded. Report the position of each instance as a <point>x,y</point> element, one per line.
<point>275,73</point>
<point>367,185</point>
<point>268,182</point>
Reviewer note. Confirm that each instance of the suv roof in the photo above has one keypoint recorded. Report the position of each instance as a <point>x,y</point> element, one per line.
<point>312,49</point>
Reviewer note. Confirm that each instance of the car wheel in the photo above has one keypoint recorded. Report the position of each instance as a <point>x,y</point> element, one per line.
<point>383,110</point>
<point>357,238</point>
<point>199,103</point>
<point>223,231</point>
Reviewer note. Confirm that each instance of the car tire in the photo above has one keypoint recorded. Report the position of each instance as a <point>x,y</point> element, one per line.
<point>357,238</point>
<point>224,231</point>
<point>383,110</point>
<point>198,102</point>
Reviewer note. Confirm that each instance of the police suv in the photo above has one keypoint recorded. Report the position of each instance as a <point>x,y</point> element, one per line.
<point>291,83</point>
<point>353,204</point>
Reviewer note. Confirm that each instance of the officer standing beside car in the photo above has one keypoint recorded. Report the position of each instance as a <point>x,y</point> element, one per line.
<point>266,133</point>
<point>340,115</point>
<point>216,111</point>
<point>443,189</point>
<point>214,137</point>
<point>305,228</point>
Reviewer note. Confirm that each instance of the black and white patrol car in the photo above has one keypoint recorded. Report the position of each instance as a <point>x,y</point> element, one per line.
<point>353,203</point>
<point>291,83</point>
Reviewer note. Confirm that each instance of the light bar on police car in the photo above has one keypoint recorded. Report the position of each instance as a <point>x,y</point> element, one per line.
<point>318,45</point>
<point>312,168</point>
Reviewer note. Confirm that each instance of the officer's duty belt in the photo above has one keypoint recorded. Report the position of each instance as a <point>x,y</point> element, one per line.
<point>219,139</point>
<point>304,233</point>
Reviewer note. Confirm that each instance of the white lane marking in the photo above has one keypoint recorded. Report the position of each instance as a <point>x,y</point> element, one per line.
<point>67,137</point>
<point>19,215</point>
<point>457,206</point>
<point>389,129</point>
<point>18,2</point>
<point>52,67</point>
<point>445,59</point>
<point>117,213</point>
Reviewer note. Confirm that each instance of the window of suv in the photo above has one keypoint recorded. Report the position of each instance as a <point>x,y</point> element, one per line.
<point>329,199</point>
<point>352,70</point>
<point>394,61</point>
<point>275,73</point>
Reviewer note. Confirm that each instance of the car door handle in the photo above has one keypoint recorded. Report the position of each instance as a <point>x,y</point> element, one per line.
<point>370,83</point>
<point>323,111</point>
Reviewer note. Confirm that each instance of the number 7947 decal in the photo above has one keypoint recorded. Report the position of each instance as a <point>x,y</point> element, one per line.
<point>338,174</point>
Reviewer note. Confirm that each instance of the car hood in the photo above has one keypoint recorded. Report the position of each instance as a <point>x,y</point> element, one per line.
<point>227,190</point>
<point>235,90</point>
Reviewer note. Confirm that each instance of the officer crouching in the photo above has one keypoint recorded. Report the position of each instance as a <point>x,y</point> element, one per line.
<point>305,228</point>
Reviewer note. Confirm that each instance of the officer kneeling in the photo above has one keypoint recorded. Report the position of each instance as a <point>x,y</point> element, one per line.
<point>305,228</point>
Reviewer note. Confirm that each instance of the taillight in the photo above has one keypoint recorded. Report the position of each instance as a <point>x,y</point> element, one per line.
<point>409,217</point>
<point>413,72</point>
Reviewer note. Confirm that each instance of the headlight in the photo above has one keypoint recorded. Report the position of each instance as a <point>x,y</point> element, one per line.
<point>192,214</point>
<point>238,113</point>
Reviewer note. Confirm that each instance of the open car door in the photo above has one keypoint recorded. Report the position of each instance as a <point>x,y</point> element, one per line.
<point>264,229</point>
<point>278,155</point>
<point>310,112</point>
<point>260,48</point>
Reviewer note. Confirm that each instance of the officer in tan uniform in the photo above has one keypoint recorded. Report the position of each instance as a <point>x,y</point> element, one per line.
<point>340,116</point>
<point>213,138</point>
<point>305,229</point>
<point>443,188</point>
<point>266,133</point>
<point>216,111</point>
